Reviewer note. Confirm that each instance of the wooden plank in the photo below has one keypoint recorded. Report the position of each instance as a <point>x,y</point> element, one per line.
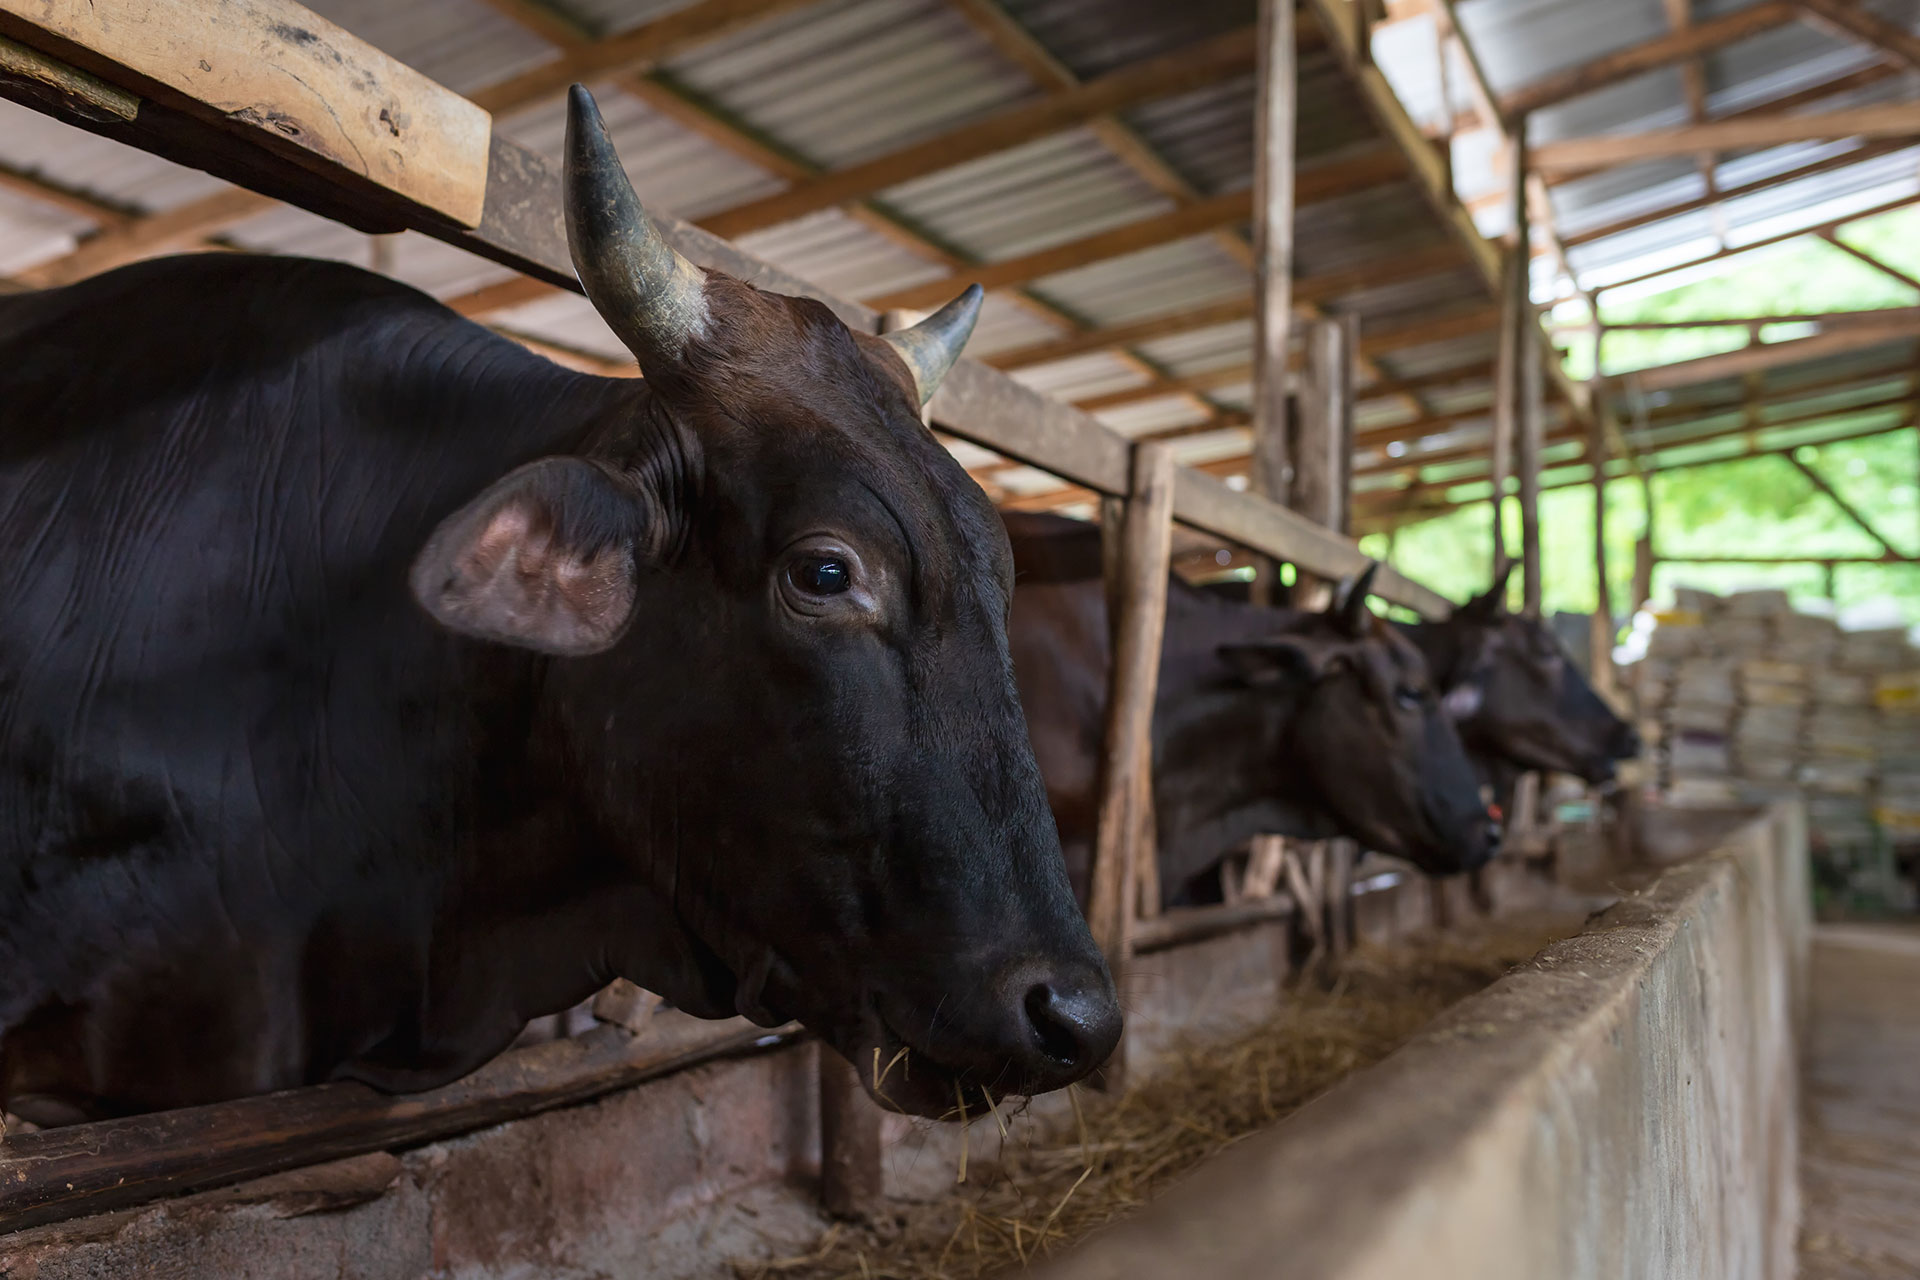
<point>293,83</point>
<point>1274,130</point>
<point>1650,55</point>
<point>1319,491</point>
<point>1884,268</point>
<point>1127,749</point>
<point>90,1168</point>
<point>1182,70</point>
<point>1891,120</point>
<point>1600,634</point>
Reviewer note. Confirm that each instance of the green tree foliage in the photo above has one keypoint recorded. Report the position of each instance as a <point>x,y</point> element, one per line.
<point>1761,506</point>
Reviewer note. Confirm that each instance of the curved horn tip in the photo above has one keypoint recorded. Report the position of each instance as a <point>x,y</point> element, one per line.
<point>930,348</point>
<point>650,296</point>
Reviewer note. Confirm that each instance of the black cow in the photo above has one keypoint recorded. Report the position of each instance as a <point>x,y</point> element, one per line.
<point>1266,721</point>
<point>370,685</point>
<point>1521,704</point>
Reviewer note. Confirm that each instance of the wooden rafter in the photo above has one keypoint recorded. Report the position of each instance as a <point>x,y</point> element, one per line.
<point>1662,51</point>
<point>645,46</point>
<point>1832,224</point>
<point>1849,20</point>
<point>1177,72</point>
<point>1892,120</point>
<point>142,237</point>
<point>1839,500</point>
<point>694,112</point>
<point>1847,159</point>
<point>1878,264</point>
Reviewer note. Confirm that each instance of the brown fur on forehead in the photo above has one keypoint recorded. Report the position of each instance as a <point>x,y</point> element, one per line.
<point>789,367</point>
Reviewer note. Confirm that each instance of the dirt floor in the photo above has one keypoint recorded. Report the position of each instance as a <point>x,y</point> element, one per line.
<point>1860,1157</point>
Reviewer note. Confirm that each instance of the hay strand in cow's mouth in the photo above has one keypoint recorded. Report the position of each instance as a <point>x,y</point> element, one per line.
<point>1099,1158</point>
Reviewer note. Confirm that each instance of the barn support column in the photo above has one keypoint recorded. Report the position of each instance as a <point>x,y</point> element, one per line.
<point>1323,492</point>
<point>1273,147</point>
<point>1600,634</point>
<point>1138,582</point>
<point>1516,322</point>
<point>1528,356</point>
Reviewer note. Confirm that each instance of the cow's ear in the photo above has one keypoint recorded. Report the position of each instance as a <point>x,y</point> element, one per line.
<point>1279,661</point>
<point>544,559</point>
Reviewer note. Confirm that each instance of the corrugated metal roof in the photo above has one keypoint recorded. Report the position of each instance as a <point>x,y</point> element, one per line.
<point>850,79</point>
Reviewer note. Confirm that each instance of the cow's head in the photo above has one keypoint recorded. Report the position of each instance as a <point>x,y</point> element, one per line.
<point>779,608</point>
<point>1367,728</point>
<point>1517,697</point>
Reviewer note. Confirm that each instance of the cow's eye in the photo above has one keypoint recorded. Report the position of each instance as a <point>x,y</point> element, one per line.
<point>1408,697</point>
<point>821,575</point>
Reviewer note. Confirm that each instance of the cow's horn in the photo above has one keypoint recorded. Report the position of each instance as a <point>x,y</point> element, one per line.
<point>930,347</point>
<point>1352,608</point>
<point>649,295</point>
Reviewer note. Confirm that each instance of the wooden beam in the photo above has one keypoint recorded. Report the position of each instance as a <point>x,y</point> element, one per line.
<point>340,109</point>
<point>696,112</point>
<point>1273,169</point>
<point>1847,19</point>
<point>1210,316</point>
<point>1846,508</point>
<point>91,1168</point>
<point>560,29</point>
<point>36,187</point>
<point>643,47</point>
<point>1891,120</point>
<point>1877,263</point>
<point>1766,356</point>
<point>1799,173</point>
<point>1133,237</point>
<point>1872,318</point>
<point>1650,55</point>
<point>143,237</point>
<point>1888,206</point>
<point>1172,73</point>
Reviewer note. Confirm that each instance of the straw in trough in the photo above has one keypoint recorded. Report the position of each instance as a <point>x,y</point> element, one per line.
<point>1054,1182</point>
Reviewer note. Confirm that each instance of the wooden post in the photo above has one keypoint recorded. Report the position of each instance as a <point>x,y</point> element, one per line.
<point>1146,546</point>
<point>1273,146</point>
<point>1323,436</point>
<point>852,1173</point>
<point>1600,634</point>
<point>1515,319</point>
<point>1528,354</point>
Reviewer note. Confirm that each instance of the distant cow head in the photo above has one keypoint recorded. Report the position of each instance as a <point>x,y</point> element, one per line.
<point>1518,698</point>
<point>783,684</point>
<point>1368,729</point>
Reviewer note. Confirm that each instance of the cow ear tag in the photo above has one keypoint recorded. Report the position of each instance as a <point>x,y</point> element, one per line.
<point>543,560</point>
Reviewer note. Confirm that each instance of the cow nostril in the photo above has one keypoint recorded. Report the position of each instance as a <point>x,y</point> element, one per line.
<point>1061,1037</point>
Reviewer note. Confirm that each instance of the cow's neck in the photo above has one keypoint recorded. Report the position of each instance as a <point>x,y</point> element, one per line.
<point>1224,756</point>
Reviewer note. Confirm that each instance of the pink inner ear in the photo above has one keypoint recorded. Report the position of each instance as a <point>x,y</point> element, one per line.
<point>508,529</point>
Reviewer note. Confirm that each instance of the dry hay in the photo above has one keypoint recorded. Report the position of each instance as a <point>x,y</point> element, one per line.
<point>1055,1183</point>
